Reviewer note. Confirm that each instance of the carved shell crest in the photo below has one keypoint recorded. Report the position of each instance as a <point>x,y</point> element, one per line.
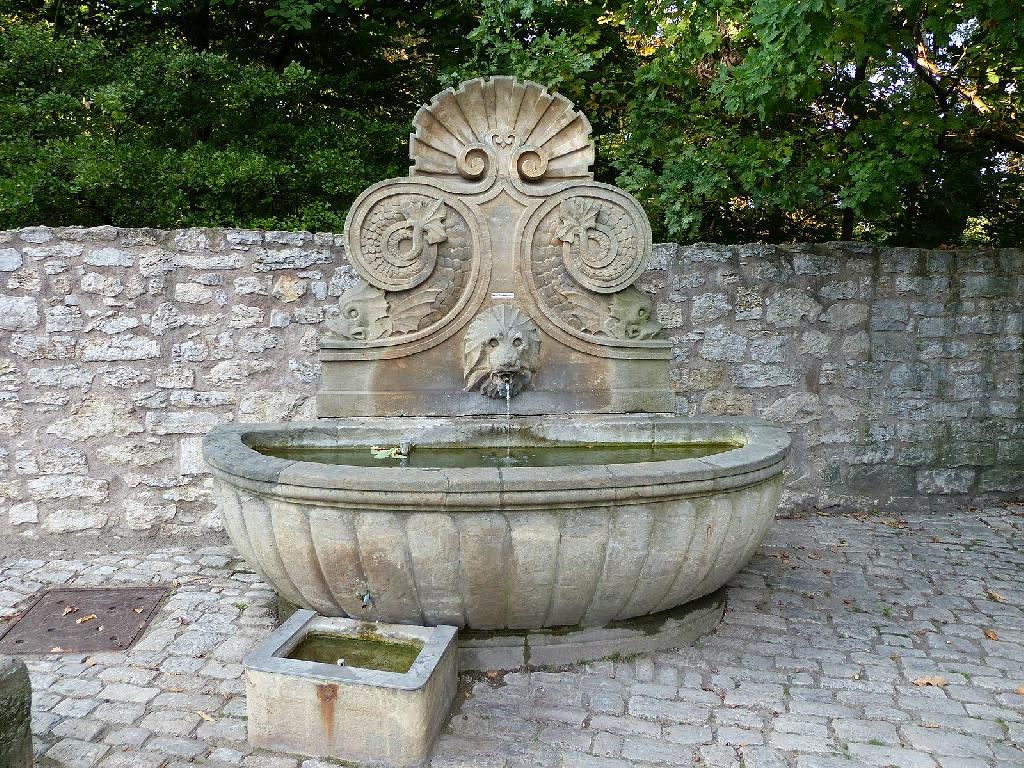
<point>501,127</point>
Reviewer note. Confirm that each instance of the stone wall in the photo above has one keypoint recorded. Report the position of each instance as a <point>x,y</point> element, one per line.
<point>897,370</point>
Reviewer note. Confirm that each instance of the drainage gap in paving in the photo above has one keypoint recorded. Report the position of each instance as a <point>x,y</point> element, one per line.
<point>77,620</point>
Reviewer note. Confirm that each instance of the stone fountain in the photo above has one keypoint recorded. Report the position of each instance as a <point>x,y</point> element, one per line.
<point>496,448</point>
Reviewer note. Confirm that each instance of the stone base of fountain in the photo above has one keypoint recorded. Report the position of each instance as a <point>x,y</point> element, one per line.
<point>370,717</point>
<point>511,649</point>
<point>563,646</point>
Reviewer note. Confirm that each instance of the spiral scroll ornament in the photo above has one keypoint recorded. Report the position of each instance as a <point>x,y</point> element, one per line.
<point>601,247</point>
<point>399,238</point>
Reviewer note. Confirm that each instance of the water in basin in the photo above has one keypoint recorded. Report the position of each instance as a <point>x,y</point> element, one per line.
<point>363,652</point>
<point>528,456</point>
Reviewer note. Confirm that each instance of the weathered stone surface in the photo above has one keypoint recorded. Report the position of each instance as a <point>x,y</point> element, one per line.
<point>97,417</point>
<point>946,376</point>
<point>192,293</point>
<point>791,308</point>
<point>588,564</point>
<point>10,260</point>
<point>104,285</point>
<point>73,521</point>
<point>109,257</point>
<point>68,487</point>
<point>945,481</point>
<point>18,313</point>
<point>142,514</point>
<point>15,714</point>
<point>798,408</point>
<point>62,376</point>
<point>181,423</point>
<point>727,404</point>
<point>134,454</point>
<point>24,513</point>
<point>125,347</point>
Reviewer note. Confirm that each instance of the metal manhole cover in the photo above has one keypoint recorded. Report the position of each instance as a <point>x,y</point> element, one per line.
<point>79,619</point>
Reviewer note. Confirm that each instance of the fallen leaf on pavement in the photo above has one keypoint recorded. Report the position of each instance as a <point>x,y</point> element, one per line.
<point>84,619</point>
<point>930,725</point>
<point>936,680</point>
<point>206,716</point>
<point>995,596</point>
<point>1020,690</point>
<point>991,634</point>
<point>69,609</point>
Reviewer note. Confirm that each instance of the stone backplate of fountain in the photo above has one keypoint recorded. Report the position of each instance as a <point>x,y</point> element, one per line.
<point>497,265</point>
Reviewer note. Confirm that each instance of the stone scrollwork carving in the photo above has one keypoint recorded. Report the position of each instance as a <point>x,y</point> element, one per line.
<point>413,251</point>
<point>399,241</point>
<point>499,211</point>
<point>501,352</point>
<point>599,243</point>
<point>585,249</point>
<point>501,128</point>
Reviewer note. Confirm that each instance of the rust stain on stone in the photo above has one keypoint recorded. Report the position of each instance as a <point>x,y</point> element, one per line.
<point>327,693</point>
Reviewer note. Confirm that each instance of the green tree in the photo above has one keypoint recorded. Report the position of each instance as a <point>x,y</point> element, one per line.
<point>743,120</point>
<point>731,120</point>
<point>188,112</point>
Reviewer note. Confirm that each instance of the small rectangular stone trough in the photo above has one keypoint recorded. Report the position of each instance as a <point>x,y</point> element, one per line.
<point>367,716</point>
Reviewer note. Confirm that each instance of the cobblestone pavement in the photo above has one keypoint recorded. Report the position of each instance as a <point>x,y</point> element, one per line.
<point>814,666</point>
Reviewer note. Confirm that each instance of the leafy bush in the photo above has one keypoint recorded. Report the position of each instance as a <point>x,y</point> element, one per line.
<point>730,120</point>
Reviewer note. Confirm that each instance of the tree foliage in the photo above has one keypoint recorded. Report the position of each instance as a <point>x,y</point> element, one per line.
<point>731,120</point>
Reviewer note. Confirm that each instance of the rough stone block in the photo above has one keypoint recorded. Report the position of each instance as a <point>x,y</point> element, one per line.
<point>15,714</point>
<point>755,376</point>
<point>1009,478</point>
<point>18,313</point>
<point>893,346</point>
<point>10,260</point>
<point>945,481</point>
<point>791,308</point>
<point>881,479</point>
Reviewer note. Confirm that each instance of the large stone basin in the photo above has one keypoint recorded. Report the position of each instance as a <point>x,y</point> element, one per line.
<point>498,547</point>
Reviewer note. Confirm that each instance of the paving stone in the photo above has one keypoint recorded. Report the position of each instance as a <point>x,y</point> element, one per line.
<point>794,676</point>
<point>119,712</point>
<point>654,751</point>
<point>866,731</point>
<point>172,722</point>
<point>871,754</point>
<point>134,759</point>
<point>269,761</point>
<point>128,736</point>
<point>73,753</point>
<point>128,693</point>
<point>946,743</point>
<point>74,728</point>
<point>669,711</point>
<point>172,745</point>
<point>74,707</point>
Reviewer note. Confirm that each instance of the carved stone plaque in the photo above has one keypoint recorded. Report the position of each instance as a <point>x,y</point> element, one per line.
<point>498,234</point>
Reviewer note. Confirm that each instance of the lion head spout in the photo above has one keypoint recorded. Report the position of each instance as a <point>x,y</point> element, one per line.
<point>501,352</point>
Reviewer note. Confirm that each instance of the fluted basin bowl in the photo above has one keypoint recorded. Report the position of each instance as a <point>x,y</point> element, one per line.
<point>493,547</point>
